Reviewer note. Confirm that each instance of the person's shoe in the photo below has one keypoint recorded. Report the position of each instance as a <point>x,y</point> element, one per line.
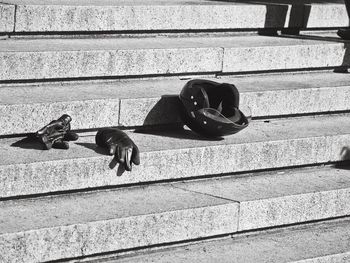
<point>267,32</point>
<point>344,33</point>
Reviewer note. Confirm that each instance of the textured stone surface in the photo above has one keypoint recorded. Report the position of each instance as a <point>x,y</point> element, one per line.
<point>283,197</point>
<point>77,225</point>
<point>67,58</point>
<point>84,224</point>
<point>285,57</point>
<point>77,58</point>
<point>138,17</point>
<point>326,15</point>
<point>337,258</point>
<point>174,154</point>
<point>318,243</point>
<point>294,209</point>
<point>26,118</point>
<point>26,108</point>
<point>106,15</point>
<point>7,18</point>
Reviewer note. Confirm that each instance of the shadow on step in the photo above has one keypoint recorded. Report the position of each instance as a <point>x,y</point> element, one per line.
<point>291,16</point>
<point>179,133</point>
<point>288,15</point>
<point>28,143</point>
<point>345,157</point>
<point>167,110</point>
<point>92,146</point>
<point>281,2</point>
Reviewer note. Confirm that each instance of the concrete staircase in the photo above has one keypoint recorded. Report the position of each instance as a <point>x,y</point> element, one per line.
<point>279,191</point>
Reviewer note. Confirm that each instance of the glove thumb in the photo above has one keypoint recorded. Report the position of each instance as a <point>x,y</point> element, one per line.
<point>135,158</point>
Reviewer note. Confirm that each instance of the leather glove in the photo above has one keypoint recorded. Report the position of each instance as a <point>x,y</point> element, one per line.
<point>120,145</point>
<point>57,133</point>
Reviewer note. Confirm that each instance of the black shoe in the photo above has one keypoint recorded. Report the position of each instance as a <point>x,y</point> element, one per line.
<point>344,33</point>
<point>267,32</point>
<point>290,31</point>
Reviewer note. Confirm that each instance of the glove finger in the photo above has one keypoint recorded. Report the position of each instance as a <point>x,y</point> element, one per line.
<point>71,136</point>
<point>54,136</point>
<point>60,145</point>
<point>128,154</point>
<point>112,149</point>
<point>121,154</point>
<point>135,158</point>
<point>45,141</point>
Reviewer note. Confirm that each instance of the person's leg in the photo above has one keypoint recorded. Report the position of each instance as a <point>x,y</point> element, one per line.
<point>345,33</point>
<point>347,5</point>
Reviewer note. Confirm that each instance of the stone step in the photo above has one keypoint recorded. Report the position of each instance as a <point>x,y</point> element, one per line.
<point>82,224</point>
<point>130,15</point>
<point>27,108</point>
<point>168,155</point>
<point>312,243</point>
<point>117,57</point>
<point>7,17</point>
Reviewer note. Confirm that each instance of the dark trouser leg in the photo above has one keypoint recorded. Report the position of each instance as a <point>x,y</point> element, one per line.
<point>347,4</point>
<point>345,33</point>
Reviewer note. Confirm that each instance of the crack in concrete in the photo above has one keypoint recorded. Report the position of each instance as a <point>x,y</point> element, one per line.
<point>207,194</point>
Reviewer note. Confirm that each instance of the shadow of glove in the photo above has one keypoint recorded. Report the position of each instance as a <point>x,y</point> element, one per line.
<point>57,133</point>
<point>120,145</point>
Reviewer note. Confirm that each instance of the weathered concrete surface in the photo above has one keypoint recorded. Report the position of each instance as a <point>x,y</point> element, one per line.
<point>49,16</point>
<point>26,108</point>
<point>317,243</point>
<point>326,15</point>
<point>25,118</point>
<point>285,57</point>
<point>7,18</point>
<point>138,17</point>
<point>77,58</point>
<point>96,222</point>
<point>174,154</point>
<point>282,197</point>
<point>83,224</point>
